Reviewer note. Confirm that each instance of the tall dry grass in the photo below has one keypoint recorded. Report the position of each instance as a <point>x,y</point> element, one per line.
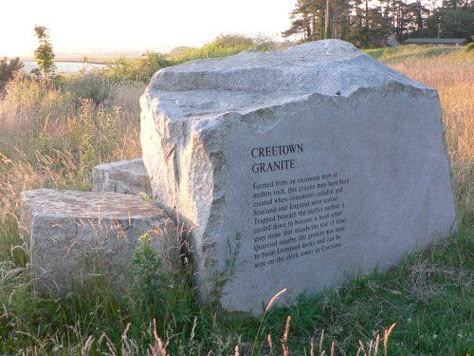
<point>453,76</point>
<point>51,137</point>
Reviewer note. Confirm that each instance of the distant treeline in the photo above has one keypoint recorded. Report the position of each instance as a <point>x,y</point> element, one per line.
<point>369,23</point>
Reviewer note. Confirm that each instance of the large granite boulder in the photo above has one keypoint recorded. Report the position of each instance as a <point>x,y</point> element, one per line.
<point>76,236</point>
<point>295,169</point>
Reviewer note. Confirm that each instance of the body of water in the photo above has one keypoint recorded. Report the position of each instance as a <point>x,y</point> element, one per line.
<point>65,67</point>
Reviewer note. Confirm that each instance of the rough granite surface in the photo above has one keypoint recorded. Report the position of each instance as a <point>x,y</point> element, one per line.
<point>295,169</point>
<point>126,177</point>
<point>75,236</point>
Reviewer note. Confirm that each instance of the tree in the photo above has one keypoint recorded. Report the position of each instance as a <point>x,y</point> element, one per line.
<point>449,22</point>
<point>44,53</point>
<point>369,23</point>
<point>315,20</point>
<point>350,20</point>
<point>8,68</point>
<point>307,19</point>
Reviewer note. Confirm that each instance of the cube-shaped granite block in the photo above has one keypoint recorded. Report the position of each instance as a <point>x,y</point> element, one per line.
<point>75,236</point>
<point>127,177</point>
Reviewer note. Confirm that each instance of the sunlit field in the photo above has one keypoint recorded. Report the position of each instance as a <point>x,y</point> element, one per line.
<point>53,132</point>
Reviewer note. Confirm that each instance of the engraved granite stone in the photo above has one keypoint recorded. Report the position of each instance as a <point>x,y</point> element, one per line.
<point>296,169</point>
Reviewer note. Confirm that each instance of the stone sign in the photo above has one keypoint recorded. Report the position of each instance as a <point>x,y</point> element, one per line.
<point>296,169</point>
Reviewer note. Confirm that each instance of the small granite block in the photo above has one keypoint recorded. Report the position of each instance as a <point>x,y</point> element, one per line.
<point>75,236</point>
<point>127,177</point>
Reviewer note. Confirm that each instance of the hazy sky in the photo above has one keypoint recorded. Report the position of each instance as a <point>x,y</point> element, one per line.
<point>119,25</point>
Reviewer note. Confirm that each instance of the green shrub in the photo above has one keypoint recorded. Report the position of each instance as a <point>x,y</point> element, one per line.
<point>149,64</point>
<point>93,85</point>
<point>163,294</point>
<point>470,47</point>
<point>141,69</point>
<point>223,46</point>
<point>233,41</point>
<point>8,68</point>
<point>150,282</point>
<point>180,51</point>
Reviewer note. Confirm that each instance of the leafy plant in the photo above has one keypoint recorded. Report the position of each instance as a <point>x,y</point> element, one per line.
<point>141,69</point>
<point>159,291</point>
<point>8,68</point>
<point>222,46</point>
<point>150,281</point>
<point>90,85</point>
<point>44,53</point>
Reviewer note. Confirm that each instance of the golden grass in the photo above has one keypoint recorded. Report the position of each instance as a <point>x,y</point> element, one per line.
<point>51,138</point>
